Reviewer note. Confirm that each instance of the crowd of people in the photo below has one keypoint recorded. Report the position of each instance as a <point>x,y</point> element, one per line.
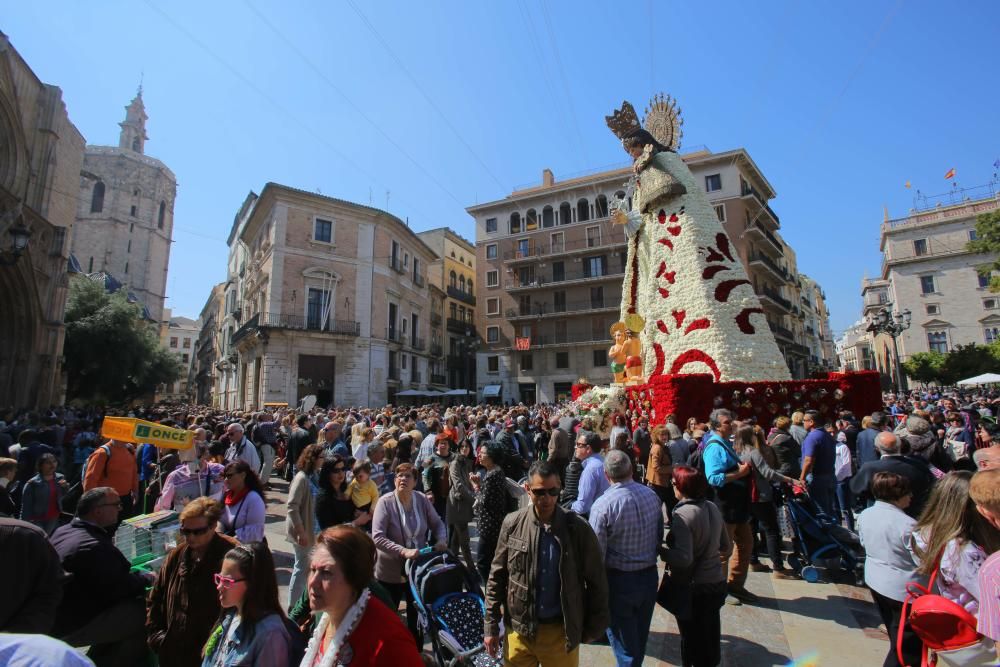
<point>570,525</point>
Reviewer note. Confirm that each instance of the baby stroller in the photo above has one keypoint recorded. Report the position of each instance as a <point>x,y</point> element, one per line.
<point>450,609</point>
<point>822,542</point>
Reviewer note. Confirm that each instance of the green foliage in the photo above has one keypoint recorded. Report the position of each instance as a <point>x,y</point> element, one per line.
<point>988,242</point>
<point>925,367</point>
<point>112,354</point>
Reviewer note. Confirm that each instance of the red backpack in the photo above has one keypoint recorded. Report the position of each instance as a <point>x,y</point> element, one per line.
<point>941,624</point>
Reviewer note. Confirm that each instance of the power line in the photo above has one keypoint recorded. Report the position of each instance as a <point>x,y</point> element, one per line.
<point>427,98</point>
<point>357,109</point>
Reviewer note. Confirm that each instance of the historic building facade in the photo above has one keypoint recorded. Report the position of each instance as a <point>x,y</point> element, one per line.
<point>207,352</point>
<point>454,272</point>
<point>179,336</point>
<point>324,297</point>
<point>41,153</point>
<point>125,214</point>
<point>550,266</point>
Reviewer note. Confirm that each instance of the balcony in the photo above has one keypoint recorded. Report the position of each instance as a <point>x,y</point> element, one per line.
<point>436,350</point>
<point>561,309</point>
<point>749,191</point>
<point>393,374</point>
<point>540,250</point>
<point>906,252</point>
<point>393,335</point>
<point>772,295</point>
<point>569,338</point>
<point>544,279</point>
<point>464,297</point>
<point>781,332</point>
<point>418,344</point>
<point>438,379</point>
<point>759,230</point>
<point>396,264</point>
<point>435,319</point>
<point>262,321</point>
<point>765,263</point>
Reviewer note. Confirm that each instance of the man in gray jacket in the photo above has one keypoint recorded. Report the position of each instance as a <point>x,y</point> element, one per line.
<point>540,548</point>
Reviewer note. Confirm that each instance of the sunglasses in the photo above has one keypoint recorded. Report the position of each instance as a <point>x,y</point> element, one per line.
<point>226,582</point>
<point>339,469</point>
<point>541,493</point>
<point>194,531</point>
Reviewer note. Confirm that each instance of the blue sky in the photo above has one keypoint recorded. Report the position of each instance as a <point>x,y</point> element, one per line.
<point>446,104</point>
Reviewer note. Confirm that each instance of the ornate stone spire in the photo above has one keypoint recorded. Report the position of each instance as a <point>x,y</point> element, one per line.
<point>133,135</point>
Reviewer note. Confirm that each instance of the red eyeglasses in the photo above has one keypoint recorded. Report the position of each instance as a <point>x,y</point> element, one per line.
<point>226,582</point>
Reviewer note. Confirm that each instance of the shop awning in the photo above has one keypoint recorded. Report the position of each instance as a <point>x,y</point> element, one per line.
<point>491,390</point>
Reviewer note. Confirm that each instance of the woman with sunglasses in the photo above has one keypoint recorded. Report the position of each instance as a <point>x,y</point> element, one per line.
<point>403,519</point>
<point>243,517</point>
<point>184,605</point>
<point>252,629</point>
<point>300,524</point>
<point>333,503</point>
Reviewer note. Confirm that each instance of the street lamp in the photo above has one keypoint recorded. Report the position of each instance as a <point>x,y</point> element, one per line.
<point>19,234</point>
<point>893,324</point>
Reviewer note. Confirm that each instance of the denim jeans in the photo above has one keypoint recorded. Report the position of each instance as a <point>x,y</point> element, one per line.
<point>845,501</point>
<point>822,489</point>
<point>632,597</point>
<point>300,574</point>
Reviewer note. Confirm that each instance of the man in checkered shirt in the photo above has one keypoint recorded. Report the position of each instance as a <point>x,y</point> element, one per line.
<point>628,522</point>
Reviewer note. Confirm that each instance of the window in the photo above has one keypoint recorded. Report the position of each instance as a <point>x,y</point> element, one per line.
<point>720,211</point>
<point>559,301</point>
<point>562,390</point>
<point>523,248</point>
<point>461,313</point>
<point>492,334</point>
<point>185,357</point>
<point>991,334</point>
<point>595,266</point>
<point>97,198</point>
<point>524,304</point>
<point>933,309</point>
<point>582,210</point>
<point>713,182</point>
<point>404,357</point>
<point>323,231</point>
<point>131,227</point>
<point>128,248</point>
<point>601,206</point>
<point>461,283</point>
<point>565,213</point>
<point>926,284</point>
<point>126,267</point>
<point>920,247</point>
<point>453,311</point>
<point>558,271</point>
<point>492,278</point>
<point>173,342</point>
<point>491,225</point>
<point>600,358</point>
<point>548,217</point>
<point>983,281</point>
<point>187,343</point>
<point>468,287</point>
<point>491,251</point>
<point>593,237</point>
<point>90,266</point>
<point>526,275</point>
<point>453,280</point>
<point>972,235</point>
<point>416,270</point>
<point>515,223</point>
<point>133,211</point>
<point>562,359</point>
<point>406,259</point>
<point>493,364</point>
<point>531,220</point>
<point>527,362</point>
<point>394,255</point>
<point>493,306</point>
<point>557,242</point>
<point>318,306</point>
<point>937,341</point>
<point>161,215</point>
<point>990,304</point>
<point>596,297</point>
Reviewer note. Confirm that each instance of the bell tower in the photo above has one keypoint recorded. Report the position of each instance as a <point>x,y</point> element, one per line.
<point>133,135</point>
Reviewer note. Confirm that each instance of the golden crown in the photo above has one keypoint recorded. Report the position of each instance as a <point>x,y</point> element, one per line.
<point>623,121</point>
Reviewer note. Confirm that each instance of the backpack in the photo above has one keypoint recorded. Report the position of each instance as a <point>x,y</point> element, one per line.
<point>941,624</point>
<point>107,461</point>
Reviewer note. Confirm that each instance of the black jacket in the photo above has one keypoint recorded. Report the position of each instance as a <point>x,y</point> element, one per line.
<point>913,468</point>
<point>101,577</point>
<point>32,578</point>
<point>788,451</point>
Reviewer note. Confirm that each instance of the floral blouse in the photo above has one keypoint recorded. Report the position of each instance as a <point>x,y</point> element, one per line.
<point>958,578</point>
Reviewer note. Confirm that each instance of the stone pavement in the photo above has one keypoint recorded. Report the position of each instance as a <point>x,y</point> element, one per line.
<point>794,618</point>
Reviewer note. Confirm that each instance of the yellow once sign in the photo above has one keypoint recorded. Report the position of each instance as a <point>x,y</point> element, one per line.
<point>127,429</point>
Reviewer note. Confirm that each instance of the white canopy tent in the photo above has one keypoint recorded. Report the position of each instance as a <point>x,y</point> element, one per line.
<point>985,378</point>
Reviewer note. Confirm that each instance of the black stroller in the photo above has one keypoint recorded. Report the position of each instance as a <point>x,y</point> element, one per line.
<point>822,542</point>
<point>450,608</point>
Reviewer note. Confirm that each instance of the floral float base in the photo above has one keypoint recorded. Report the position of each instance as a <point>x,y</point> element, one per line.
<point>601,404</point>
<point>696,395</point>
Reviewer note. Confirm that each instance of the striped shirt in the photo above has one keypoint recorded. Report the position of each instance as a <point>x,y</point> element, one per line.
<point>989,597</point>
<point>628,522</point>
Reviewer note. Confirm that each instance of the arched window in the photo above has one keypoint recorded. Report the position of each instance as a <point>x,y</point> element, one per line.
<point>582,210</point>
<point>461,283</point>
<point>453,280</point>
<point>468,287</point>
<point>97,198</point>
<point>531,220</point>
<point>515,223</point>
<point>162,214</point>
<point>565,213</point>
<point>601,206</point>
<point>548,219</point>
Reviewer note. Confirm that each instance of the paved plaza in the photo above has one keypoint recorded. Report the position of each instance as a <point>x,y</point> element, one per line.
<point>794,618</point>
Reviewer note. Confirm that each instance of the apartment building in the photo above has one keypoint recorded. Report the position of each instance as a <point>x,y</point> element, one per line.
<point>817,336</point>
<point>854,349</point>
<point>550,267</point>
<point>454,273</point>
<point>179,335</point>
<point>207,353</point>
<point>323,297</point>
<point>928,270</point>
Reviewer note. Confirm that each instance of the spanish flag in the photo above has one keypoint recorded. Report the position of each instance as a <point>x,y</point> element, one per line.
<point>951,173</point>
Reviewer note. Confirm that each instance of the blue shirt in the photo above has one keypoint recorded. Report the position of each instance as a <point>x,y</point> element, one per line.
<point>592,484</point>
<point>628,522</point>
<point>718,457</point>
<point>866,446</point>
<point>821,446</point>
<point>548,588</point>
